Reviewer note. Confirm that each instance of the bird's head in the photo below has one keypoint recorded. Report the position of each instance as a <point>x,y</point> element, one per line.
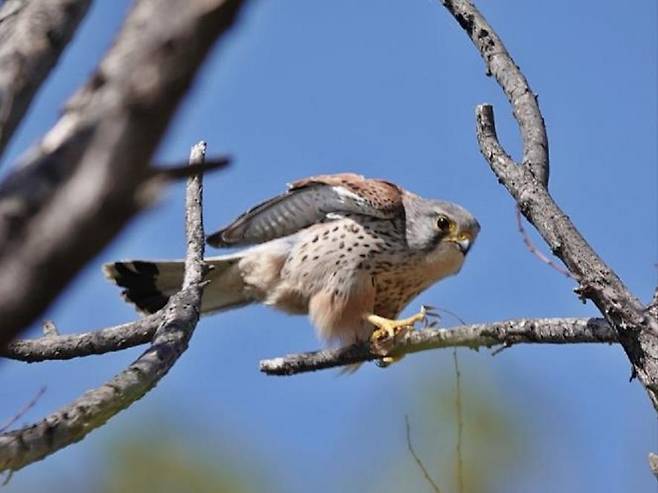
<point>435,224</point>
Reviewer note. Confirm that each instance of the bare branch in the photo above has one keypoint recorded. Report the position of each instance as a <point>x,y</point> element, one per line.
<point>87,178</point>
<point>195,267</point>
<point>72,422</point>
<point>636,327</point>
<point>33,35</point>
<point>508,333</point>
<point>21,412</point>
<point>178,172</point>
<point>460,423</point>
<point>50,329</point>
<point>500,64</point>
<point>417,460</point>
<point>653,305</point>
<point>534,250</point>
<point>653,464</point>
<point>70,346</point>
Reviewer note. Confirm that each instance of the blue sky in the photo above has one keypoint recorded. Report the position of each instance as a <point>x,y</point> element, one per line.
<point>388,89</point>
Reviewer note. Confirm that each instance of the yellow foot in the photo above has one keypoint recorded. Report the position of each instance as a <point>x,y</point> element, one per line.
<point>389,332</point>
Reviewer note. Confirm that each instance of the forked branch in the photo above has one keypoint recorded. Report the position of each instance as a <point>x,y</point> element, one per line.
<point>177,321</point>
<point>527,182</point>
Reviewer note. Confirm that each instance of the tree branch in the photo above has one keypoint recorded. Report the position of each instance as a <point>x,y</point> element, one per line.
<point>33,35</point>
<point>506,333</point>
<point>653,305</point>
<point>89,176</point>
<point>68,346</point>
<point>73,422</point>
<point>636,327</point>
<point>499,63</point>
<point>653,464</point>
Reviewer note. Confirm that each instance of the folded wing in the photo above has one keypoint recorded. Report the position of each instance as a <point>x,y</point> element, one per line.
<point>310,201</point>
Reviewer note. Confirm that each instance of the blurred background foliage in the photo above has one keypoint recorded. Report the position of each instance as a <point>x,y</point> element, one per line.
<point>159,453</point>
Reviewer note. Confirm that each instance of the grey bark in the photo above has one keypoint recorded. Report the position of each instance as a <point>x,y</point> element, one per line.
<point>653,464</point>
<point>505,334</point>
<point>74,421</point>
<point>33,35</point>
<point>67,346</point>
<point>90,174</point>
<point>635,325</point>
<point>524,103</point>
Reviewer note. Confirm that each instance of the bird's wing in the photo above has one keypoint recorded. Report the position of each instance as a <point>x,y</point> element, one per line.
<point>308,202</point>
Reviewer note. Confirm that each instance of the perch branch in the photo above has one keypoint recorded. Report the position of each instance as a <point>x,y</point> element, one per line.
<point>90,174</point>
<point>73,422</point>
<point>636,327</point>
<point>33,35</point>
<point>507,333</point>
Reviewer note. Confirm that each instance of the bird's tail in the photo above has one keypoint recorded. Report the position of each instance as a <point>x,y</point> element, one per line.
<point>149,284</point>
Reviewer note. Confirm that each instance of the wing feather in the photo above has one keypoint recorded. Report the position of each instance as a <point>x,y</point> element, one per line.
<point>308,202</point>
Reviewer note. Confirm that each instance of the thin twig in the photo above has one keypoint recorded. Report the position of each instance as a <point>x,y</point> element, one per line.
<point>419,462</point>
<point>33,35</point>
<point>21,412</point>
<point>180,171</point>
<point>653,305</point>
<point>653,464</point>
<point>460,423</point>
<point>452,314</point>
<point>535,251</point>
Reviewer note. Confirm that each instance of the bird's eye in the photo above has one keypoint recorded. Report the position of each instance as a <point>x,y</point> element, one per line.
<point>443,223</point>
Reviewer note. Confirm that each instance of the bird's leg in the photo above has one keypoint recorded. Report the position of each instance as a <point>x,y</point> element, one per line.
<point>388,332</point>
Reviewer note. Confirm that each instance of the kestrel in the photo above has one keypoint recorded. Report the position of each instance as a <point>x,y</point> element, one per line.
<point>348,251</point>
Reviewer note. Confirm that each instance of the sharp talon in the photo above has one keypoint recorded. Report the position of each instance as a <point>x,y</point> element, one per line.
<point>387,361</point>
<point>383,363</point>
<point>388,333</point>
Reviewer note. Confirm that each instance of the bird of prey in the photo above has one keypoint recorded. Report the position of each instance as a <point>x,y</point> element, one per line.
<point>348,251</point>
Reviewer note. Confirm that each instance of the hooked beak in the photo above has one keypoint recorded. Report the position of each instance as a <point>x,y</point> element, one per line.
<point>463,242</point>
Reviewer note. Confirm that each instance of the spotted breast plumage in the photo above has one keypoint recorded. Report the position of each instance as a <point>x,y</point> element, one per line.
<point>348,251</point>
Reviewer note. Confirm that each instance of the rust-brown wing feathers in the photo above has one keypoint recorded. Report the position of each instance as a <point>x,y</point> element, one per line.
<point>309,201</point>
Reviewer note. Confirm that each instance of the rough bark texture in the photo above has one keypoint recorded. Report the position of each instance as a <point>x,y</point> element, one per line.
<point>89,175</point>
<point>524,103</point>
<point>636,326</point>
<point>33,35</point>
<point>178,319</point>
<point>67,346</point>
<point>506,334</point>
<point>653,464</point>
